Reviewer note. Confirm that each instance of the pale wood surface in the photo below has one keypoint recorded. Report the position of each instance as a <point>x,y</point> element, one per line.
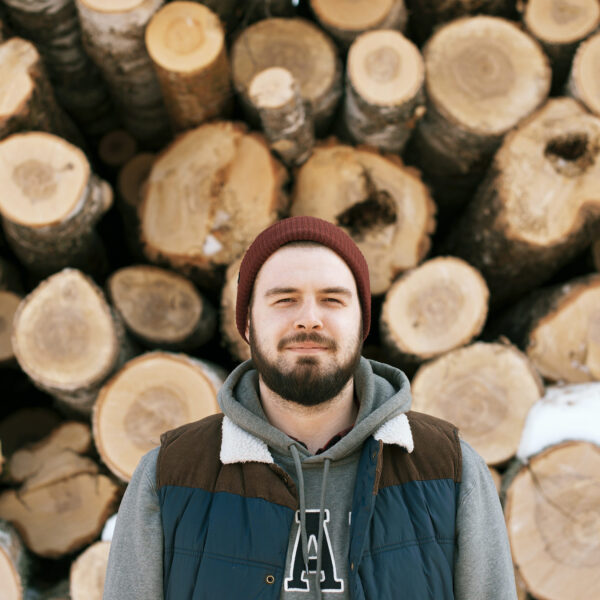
<point>13,563</point>
<point>9,302</point>
<point>583,84</point>
<point>238,348</point>
<point>88,572</point>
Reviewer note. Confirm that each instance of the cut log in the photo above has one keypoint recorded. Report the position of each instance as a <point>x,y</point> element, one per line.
<point>116,148</point>
<point>62,517</point>
<point>151,394</point>
<point>483,76</point>
<point>486,390</point>
<point>552,515</point>
<point>285,121</point>
<point>67,340</point>
<point>27,101</point>
<point>51,202</point>
<point>114,38</point>
<point>14,563</point>
<point>559,329</point>
<point>160,308</point>
<point>583,84</point>
<point>496,477</point>
<point>426,17</point>
<point>186,43</point>
<point>383,205</point>
<point>208,196</point>
<point>237,346</point>
<point>384,90</point>
<point>88,573</point>
<point>54,27</point>
<point>280,43</point>
<point>9,303</point>
<point>559,26</point>
<point>345,20</point>
<point>434,308</point>
<point>25,426</point>
<point>536,208</point>
<point>10,278</point>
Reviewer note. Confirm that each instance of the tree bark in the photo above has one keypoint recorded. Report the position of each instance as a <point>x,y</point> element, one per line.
<point>27,101</point>
<point>287,125</point>
<point>432,309</point>
<point>52,202</point>
<point>345,20</point>
<point>552,515</point>
<point>160,308</point>
<point>151,394</point>
<point>113,35</point>
<point>384,90</point>
<point>186,43</point>
<point>67,339</point>
<point>88,573</point>
<point>116,148</point>
<point>538,205</point>
<point>208,196</point>
<point>560,27</point>
<point>14,563</point>
<point>486,390</point>
<point>581,83</point>
<point>370,196</point>
<point>279,43</point>
<point>54,27</point>
<point>483,76</point>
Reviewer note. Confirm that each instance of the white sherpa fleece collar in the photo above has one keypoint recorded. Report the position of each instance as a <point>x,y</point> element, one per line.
<point>239,446</point>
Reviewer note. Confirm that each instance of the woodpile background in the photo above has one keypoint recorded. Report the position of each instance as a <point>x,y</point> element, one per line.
<point>145,143</point>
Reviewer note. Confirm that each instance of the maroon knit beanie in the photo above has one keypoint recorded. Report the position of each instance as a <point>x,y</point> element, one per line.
<point>305,229</point>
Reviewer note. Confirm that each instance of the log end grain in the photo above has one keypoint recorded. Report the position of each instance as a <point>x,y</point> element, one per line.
<point>583,84</point>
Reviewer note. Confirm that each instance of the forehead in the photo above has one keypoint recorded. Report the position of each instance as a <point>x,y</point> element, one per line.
<point>310,266</point>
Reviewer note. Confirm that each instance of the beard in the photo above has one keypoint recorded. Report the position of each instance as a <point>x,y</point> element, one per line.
<point>307,382</point>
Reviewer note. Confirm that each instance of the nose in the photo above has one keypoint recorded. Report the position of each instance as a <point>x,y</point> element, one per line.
<point>308,317</point>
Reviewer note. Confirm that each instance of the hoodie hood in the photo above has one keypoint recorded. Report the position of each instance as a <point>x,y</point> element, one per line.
<point>383,393</point>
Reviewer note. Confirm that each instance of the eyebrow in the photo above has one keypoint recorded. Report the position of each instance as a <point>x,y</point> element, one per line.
<point>290,290</point>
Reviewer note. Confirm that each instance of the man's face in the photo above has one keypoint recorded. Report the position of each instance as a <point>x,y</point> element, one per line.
<point>305,326</point>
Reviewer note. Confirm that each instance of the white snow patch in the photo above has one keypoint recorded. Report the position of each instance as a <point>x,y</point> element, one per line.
<point>566,412</point>
<point>211,245</point>
<point>221,217</point>
<point>109,529</point>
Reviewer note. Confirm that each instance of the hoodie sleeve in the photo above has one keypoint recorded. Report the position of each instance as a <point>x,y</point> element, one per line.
<point>483,566</point>
<point>135,567</point>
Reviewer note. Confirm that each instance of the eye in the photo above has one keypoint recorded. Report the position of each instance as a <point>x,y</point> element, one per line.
<point>333,300</point>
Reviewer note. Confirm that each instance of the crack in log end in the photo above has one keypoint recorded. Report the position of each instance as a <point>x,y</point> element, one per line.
<point>571,154</point>
<point>377,210</point>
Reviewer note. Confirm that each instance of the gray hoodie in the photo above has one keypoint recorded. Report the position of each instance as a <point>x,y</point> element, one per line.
<point>319,538</point>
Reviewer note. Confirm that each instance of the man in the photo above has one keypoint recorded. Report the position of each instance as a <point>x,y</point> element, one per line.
<point>317,482</point>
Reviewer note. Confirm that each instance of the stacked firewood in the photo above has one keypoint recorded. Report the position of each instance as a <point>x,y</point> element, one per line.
<point>145,143</point>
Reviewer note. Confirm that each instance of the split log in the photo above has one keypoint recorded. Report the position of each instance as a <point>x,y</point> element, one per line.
<point>63,516</point>
<point>114,38</point>
<point>565,413</point>
<point>88,573</point>
<point>186,43</point>
<point>54,27</point>
<point>559,330</point>
<point>237,346</point>
<point>161,309</point>
<point>27,101</point>
<point>426,17</point>
<point>9,303</point>
<point>116,148</point>
<point>51,202</point>
<point>280,43</point>
<point>209,194</point>
<point>151,394</point>
<point>384,90</point>
<point>582,80</point>
<point>536,208</point>
<point>552,515</point>
<point>67,340</point>
<point>434,308</point>
<point>383,205</point>
<point>486,390</point>
<point>25,426</point>
<point>345,20</point>
<point>14,563</point>
<point>560,26</point>
<point>483,76</point>
<point>285,120</point>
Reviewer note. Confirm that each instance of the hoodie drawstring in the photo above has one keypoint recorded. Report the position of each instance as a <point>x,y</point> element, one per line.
<point>303,534</point>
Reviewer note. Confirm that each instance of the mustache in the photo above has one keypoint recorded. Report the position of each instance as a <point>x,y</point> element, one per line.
<point>314,337</point>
